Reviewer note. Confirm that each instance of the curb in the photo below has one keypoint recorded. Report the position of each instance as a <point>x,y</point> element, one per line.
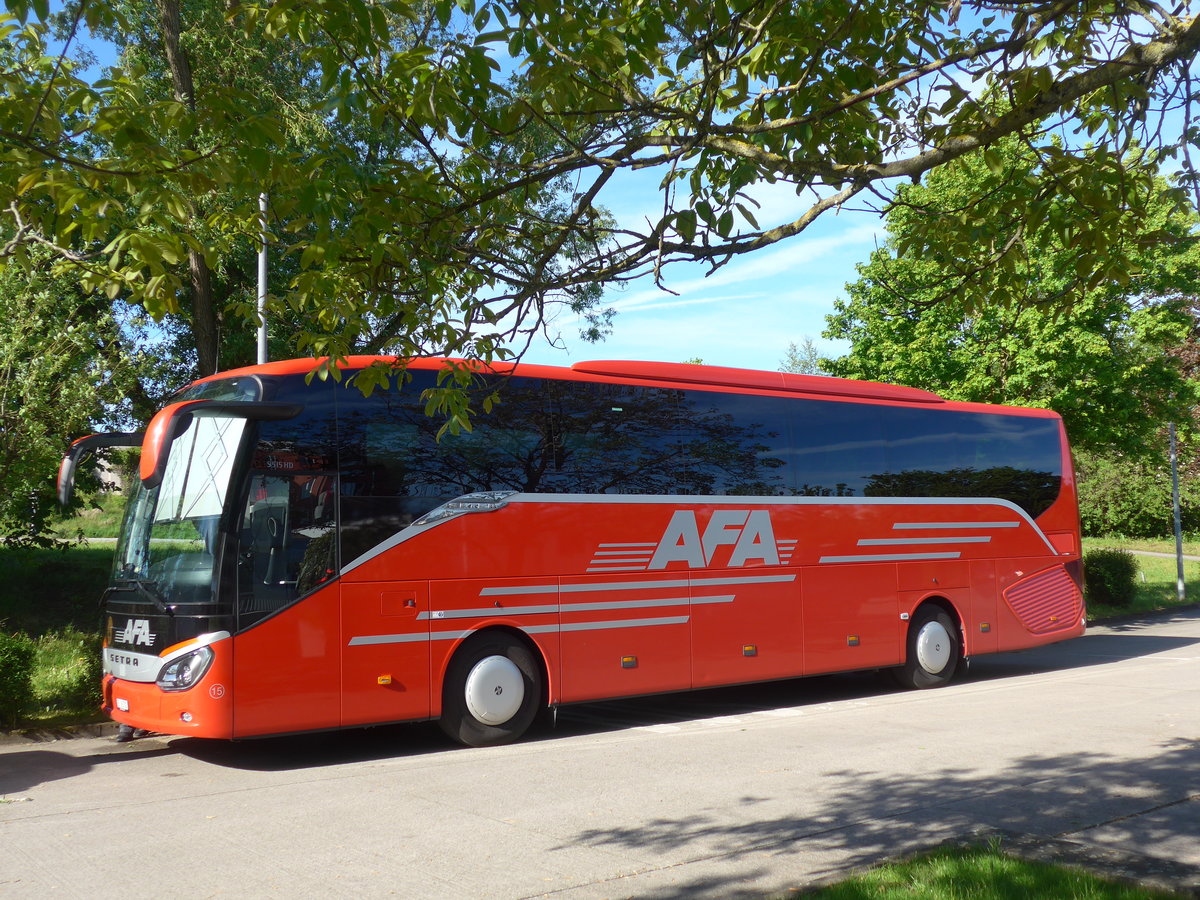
<point>58,733</point>
<point>1151,616</point>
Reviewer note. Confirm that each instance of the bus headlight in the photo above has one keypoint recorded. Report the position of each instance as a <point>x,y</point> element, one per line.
<point>182,673</point>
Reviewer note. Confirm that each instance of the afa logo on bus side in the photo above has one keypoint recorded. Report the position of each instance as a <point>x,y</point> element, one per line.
<point>747,532</point>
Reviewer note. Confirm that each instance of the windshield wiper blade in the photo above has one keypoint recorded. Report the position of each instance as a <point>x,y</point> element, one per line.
<point>143,588</point>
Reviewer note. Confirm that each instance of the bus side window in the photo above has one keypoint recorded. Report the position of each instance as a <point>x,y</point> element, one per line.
<point>288,540</point>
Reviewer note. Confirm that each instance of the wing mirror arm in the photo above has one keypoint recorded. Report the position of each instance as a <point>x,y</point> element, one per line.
<point>83,448</point>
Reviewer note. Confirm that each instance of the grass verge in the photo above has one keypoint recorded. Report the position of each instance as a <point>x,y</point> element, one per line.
<point>52,597</point>
<point>66,678</point>
<point>979,873</point>
<point>101,517</point>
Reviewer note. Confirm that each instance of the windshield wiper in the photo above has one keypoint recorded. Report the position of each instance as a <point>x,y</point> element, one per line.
<point>142,587</point>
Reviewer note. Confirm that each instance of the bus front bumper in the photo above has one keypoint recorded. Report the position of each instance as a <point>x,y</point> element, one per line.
<point>203,711</point>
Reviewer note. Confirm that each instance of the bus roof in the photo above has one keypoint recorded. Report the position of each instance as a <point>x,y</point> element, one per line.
<point>680,373</point>
<point>683,374</point>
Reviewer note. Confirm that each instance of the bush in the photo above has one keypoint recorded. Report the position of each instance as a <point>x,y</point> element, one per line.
<point>16,677</point>
<point>1110,576</point>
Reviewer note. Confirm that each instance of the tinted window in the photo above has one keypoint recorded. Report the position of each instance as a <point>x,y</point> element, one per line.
<point>247,388</point>
<point>616,439</point>
<point>585,438</point>
<point>945,453</point>
<point>387,456</point>
<point>738,445</point>
<point>836,447</point>
<point>286,532</point>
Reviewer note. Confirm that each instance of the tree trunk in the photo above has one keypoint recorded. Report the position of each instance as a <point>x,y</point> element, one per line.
<point>204,312</point>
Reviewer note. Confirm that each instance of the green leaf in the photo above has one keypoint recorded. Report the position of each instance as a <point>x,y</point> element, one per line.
<point>685,225</point>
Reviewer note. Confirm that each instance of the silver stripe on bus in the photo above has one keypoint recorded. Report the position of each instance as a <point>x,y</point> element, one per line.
<point>376,639</point>
<point>492,611</point>
<point>604,626</point>
<point>642,604</point>
<point>581,588</point>
<point>934,526</point>
<point>450,635</point>
<point>888,557</point>
<point>893,542</point>
<point>516,590</point>
<point>624,623</point>
<point>487,611</point>
<point>751,579</point>
<point>367,640</point>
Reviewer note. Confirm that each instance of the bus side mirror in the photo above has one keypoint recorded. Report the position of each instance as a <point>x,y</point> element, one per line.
<point>81,449</point>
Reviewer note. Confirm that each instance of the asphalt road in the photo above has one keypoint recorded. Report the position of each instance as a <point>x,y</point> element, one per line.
<point>1090,745</point>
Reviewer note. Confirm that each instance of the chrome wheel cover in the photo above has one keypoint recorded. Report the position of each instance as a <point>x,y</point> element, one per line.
<point>933,647</point>
<point>495,690</point>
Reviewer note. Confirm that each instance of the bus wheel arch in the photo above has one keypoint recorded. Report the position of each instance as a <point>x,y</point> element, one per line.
<point>933,646</point>
<point>493,688</point>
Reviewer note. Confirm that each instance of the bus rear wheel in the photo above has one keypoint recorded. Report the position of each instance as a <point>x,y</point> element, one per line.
<point>933,650</point>
<point>491,693</point>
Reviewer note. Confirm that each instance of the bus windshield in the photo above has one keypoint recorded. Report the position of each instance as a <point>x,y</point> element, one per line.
<point>169,533</point>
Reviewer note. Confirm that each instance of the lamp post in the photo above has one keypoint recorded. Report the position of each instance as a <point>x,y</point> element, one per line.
<point>262,279</point>
<point>1179,589</point>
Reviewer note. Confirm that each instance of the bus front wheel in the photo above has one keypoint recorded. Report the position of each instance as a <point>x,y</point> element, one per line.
<point>933,650</point>
<point>491,692</point>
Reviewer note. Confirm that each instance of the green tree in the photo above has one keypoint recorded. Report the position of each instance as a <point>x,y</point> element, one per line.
<point>1100,356</point>
<point>161,164</point>
<point>64,364</point>
<point>803,359</point>
<point>185,51</point>
<point>461,235</point>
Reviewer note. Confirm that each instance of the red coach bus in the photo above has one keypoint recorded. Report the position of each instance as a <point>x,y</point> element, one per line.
<point>298,556</point>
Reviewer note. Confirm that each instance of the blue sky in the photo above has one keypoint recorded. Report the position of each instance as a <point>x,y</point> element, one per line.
<point>743,315</point>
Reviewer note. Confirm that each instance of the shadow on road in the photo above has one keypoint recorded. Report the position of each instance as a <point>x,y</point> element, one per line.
<point>21,771</point>
<point>1050,796</point>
